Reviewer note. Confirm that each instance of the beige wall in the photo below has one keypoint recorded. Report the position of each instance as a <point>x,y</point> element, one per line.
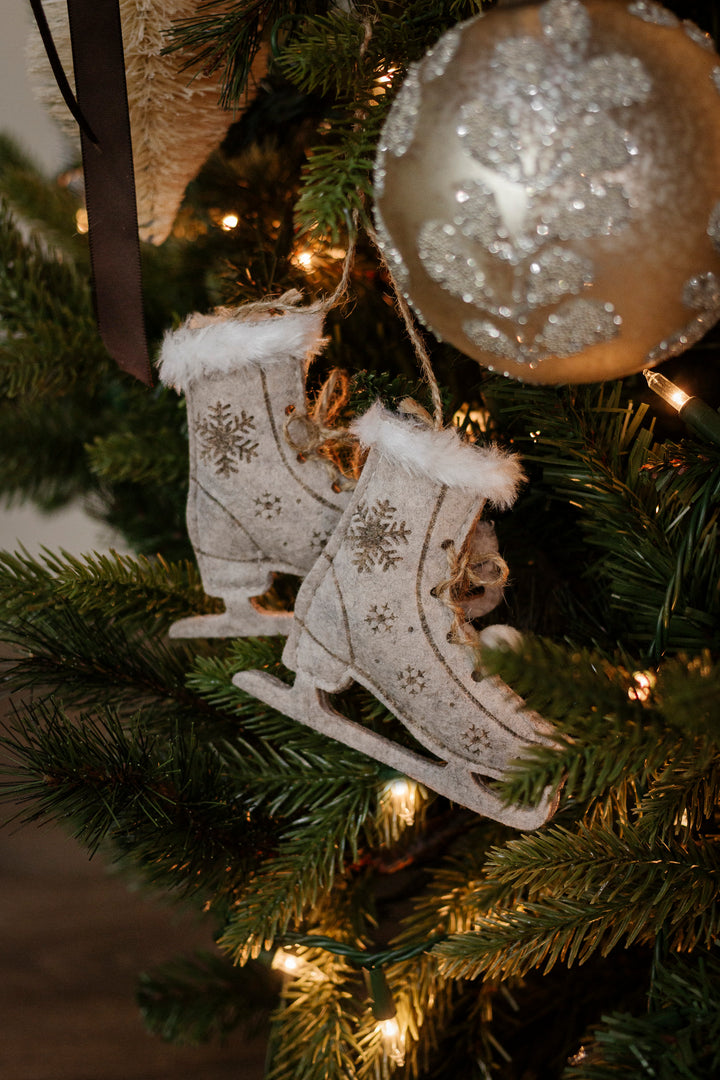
<point>22,117</point>
<point>20,114</point>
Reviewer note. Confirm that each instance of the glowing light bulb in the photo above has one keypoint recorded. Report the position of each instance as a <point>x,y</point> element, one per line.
<point>384,81</point>
<point>697,414</point>
<point>644,682</point>
<point>400,798</point>
<point>229,222</point>
<point>477,417</point>
<point>81,220</point>
<point>665,389</point>
<point>393,1040</point>
<point>304,259</point>
<point>287,961</point>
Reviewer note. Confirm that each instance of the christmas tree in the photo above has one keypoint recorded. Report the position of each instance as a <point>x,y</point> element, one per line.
<point>376,927</point>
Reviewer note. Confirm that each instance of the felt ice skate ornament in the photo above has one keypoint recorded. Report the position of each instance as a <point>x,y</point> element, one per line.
<point>175,117</point>
<point>254,506</point>
<point>372,610</point>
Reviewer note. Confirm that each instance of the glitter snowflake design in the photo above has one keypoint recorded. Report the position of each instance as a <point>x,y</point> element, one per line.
<point>375,536</point>
<point>476,739</point>
<point>268,506</point>
<point>412,680</point>
<point>380,617</point>
<point>223,439</point>
<point>550,126</point>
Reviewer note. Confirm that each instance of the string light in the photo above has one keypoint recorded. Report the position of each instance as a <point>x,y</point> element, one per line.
<point>287,961</point>
<point>644,683</point>
<point>229,222</point>
<point>400,797</point>
<point>393,1040</point>
<point>697,414</point>
<point>467,415</point>
<point>81,220</point>
<point>304,259</point>
<point>384,1011</point>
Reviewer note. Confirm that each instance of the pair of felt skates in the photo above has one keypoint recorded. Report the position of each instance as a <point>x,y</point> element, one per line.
<point>380,602</point>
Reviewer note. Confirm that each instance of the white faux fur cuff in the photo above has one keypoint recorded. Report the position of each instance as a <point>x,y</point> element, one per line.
<point>225,342</point>
<point>441,455</point>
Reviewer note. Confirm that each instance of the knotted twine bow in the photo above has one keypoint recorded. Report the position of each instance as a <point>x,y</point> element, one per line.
<point>101,110</point>
<point>468,570</point>
<point>310,434</point>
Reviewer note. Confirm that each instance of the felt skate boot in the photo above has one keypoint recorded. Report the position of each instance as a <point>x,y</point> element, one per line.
<point>383,606</point>
<point>254,505</point>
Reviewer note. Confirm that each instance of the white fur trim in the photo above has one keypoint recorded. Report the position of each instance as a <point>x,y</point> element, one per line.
<point>220,344</point>
<point>441,455</point>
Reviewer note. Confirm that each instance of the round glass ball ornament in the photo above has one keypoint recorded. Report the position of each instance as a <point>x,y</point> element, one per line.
<point>548,188</point>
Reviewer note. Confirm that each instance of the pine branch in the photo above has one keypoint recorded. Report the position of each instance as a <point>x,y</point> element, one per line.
<point>136,592</point>
<point>343,57</point>
<point>588,891</point>
<point>678,1037</point>
<point>314,1032</point>
<point>201,998</point>
<point>49,341</point>
<point>650,515</point>
<point>166,806</point>
<point>424,1002</point>
<point>606,735</point>
<point>326,56</point>
<point>47,207</point>
<point>456,893</point>
<point>41,451</point>
<point>336,180</point>
<point>226,38</point>
<point>309,856</point>
<point>86,661</point>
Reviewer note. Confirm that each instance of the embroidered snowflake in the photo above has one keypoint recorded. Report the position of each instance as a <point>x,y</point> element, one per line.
<point>268,506</point>
<point>475,739</point>
<point>375,535</point>
<point>412,680</point>
<point>380,618</point>
<point>223,439</point>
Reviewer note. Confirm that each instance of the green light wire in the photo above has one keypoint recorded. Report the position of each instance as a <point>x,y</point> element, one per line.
<point>359,957</point>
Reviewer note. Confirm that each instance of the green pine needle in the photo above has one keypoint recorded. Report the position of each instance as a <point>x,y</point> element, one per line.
<point>201,998</point>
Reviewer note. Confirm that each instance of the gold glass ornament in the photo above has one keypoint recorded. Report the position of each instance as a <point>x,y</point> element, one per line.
<point>548,188</point>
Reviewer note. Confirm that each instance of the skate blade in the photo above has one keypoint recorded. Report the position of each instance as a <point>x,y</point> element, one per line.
<point>253,622</point>
<point>453,779</point>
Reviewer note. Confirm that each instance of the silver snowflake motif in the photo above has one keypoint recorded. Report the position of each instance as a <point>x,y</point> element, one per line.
<point>223,439</point>
<point>320,538</point>
<point>476,739</point>
<point>268,506</point>
<point>380,617</point>
<point>412,680</point>
<point>548,123</point>
<point>375,535</point>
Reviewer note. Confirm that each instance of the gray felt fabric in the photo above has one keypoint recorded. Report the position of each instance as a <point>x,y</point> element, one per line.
<point>253,507</point>
<point>369,612</point>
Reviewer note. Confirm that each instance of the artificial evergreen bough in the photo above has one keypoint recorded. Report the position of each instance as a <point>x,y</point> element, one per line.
<point>586,949</point>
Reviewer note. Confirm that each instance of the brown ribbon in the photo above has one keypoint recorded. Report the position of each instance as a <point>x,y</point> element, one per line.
<point>101,110</point>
